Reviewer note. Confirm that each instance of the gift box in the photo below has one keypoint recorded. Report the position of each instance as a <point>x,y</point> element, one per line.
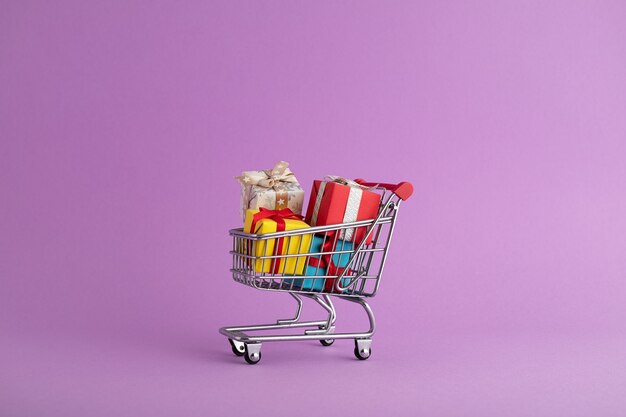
<point>338,200</point>
<point>321,265</point>
<point>273,189</point>
<point>269,221</point>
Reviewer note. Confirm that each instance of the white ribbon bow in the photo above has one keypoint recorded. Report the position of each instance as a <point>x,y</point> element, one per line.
<point>275,178</point>
<point>345,181</point>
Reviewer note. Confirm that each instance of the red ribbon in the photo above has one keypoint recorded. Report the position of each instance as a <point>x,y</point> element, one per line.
<point>326,261</point>
<point>279,217</point>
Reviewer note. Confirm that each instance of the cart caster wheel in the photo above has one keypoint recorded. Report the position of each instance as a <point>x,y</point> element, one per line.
<point>362,355</point>
<point>362,350</point>
<point>327,342</point>
<point>253,358</point>
<point>238,348</point>
<point>252,354</point>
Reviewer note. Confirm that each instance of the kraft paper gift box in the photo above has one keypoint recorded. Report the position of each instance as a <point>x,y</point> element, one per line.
<point>269,221</point>
<point>338,200</point>
<point>324,265</point>
<point>273,189</point>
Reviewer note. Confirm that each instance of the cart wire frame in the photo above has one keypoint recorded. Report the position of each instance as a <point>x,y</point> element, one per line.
<point>357,278</point>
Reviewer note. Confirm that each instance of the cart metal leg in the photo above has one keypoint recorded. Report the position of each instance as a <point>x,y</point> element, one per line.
<point>298,311</point>
<point>249,346</point>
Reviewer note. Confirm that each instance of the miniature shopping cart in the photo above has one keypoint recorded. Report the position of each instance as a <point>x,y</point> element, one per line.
<point>356,280</point>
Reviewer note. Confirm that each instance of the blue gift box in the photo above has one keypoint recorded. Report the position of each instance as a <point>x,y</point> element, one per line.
<point>339,260</point>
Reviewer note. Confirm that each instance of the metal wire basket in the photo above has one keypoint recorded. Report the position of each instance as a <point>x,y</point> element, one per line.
<point>256,264</point>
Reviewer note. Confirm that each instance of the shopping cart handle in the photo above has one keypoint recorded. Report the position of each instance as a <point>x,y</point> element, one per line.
<point>402,189</point>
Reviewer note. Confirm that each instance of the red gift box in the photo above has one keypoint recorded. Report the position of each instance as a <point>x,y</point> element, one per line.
<point>340,203</point>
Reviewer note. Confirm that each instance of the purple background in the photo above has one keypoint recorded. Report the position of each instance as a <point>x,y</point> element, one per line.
<point>123,123</point>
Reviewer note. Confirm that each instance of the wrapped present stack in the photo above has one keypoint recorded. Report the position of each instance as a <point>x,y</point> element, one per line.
<point>272,201</point>
<point>273,189</point>
<point>269,221</point>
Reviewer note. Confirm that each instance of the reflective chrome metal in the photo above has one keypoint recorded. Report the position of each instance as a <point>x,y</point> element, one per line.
<point>360,279</point>
<point>363,348</point>
<point>298,311</point>
<point>253,352</point>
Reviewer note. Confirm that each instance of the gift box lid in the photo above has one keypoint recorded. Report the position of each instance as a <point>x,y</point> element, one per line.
<point>269,225</point>
<point>334,203</point>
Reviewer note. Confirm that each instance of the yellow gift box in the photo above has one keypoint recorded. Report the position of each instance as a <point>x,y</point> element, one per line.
<point>270,221</point>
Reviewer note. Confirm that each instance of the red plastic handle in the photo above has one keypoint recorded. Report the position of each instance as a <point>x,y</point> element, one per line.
<point>403,189</point>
